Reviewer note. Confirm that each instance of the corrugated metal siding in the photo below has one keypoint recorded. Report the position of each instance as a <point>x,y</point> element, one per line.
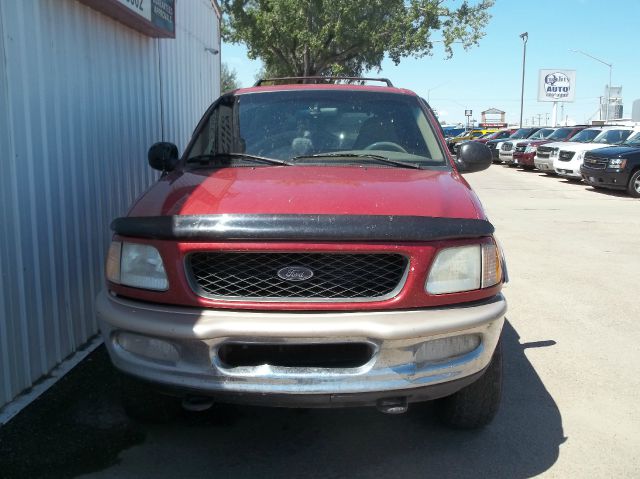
<point>80,103</point>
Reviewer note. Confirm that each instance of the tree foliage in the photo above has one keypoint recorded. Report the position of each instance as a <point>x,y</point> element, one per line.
<point>348,37</point>
<point>228,78</point>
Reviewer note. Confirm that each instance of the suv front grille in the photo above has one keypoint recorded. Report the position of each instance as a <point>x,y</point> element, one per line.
<point>544,152</point>
<point>336,276</point>
<point>506,146</point>
<point>566,155</point>
<point>595,163</point>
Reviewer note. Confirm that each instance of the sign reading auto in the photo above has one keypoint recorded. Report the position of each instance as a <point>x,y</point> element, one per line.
<point>557,85</point>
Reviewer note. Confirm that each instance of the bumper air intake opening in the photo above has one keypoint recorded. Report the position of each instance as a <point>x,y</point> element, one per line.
<point>330,356</point>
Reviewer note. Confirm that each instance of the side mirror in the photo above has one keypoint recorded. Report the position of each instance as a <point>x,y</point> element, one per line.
<point>473,156</point>
<point>163,156</point>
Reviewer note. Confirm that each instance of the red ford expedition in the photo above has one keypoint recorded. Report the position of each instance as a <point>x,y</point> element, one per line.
<point>314,246</point>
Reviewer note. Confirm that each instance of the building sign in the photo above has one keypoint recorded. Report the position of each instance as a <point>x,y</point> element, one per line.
<point>155,18</point>
<point>557,85</point>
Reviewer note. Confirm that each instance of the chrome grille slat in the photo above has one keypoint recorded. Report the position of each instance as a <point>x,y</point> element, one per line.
<point>595,163</point>
<point>336,276</point>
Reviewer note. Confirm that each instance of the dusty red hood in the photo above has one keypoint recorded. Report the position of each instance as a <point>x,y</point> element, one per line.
<point>311,190</point>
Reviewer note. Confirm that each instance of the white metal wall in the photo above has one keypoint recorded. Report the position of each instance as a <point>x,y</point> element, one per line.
<point>81,99</point>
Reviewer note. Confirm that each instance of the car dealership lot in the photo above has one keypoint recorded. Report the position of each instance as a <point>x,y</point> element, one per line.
<point>571,377</point>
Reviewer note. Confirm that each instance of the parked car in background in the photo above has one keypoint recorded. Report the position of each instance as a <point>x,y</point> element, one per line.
<point>467,135</point>
<point>569,160</point>
<point>525,156</point>
<point>451,131</point>
<point>324,251</point>
<point>519,134</point>
<point>614,167</point>
<point>496,135</point>
<point>508,147</point>
<point>546,154</point>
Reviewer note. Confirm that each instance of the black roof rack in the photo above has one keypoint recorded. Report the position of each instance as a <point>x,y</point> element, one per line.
<point>319,80</point>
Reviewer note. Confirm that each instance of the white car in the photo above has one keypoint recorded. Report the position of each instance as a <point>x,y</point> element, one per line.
<point>571,155</point>
<point>546,154</point>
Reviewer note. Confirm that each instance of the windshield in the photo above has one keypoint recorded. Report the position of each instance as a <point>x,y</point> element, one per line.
<point>560,134</point>
<point>541,134</point>
<point>521,133</point>
<point>289,124</point>
<point>633,140</point>
<point>585,136</point>
<point>612,137</point>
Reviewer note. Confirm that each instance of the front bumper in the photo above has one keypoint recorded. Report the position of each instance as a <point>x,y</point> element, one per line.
<point>544,164</point>
<point>616,179</point>
<point>397,366</point>
<point>568,169</point>
<point>506,157</point>
<point>524,159</point>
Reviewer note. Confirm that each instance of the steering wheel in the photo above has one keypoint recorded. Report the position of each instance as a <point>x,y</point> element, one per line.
<point>386,145</point>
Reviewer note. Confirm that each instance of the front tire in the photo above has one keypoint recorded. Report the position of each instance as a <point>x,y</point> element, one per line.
<point>634,185</point>
<point>476,405</point>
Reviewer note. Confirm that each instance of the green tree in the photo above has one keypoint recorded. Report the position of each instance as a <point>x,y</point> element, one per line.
<point>348,37</point>
<point>228,78</point>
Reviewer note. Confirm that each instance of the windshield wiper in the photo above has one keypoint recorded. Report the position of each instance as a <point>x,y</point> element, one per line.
<point>366,156</point>
<point>212,157</point>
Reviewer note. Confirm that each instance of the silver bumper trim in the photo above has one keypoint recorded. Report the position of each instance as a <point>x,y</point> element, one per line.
<point>397,337</point>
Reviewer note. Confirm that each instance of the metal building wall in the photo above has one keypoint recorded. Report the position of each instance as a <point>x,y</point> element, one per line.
<point>81,99</point>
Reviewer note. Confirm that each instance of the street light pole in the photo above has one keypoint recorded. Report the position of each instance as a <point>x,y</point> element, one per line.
<point>525,38</point>
<point>610,65</point>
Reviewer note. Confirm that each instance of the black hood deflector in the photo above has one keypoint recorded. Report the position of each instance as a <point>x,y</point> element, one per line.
<point>301,227</point>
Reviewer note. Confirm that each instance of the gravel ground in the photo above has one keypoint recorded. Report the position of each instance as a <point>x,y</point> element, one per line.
<point>569,408</point>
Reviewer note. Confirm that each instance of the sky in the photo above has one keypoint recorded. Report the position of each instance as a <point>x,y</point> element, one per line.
<point>490,75</point>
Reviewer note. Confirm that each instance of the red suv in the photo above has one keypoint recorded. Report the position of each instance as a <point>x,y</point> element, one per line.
<point>314,246</point>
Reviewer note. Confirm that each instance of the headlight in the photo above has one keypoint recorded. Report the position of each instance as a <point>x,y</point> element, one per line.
<point>464,268</point>
<point>580,156</point>
<point>136,265</point>
<point>617,163</point>
<point>530,149</point>
<point>554,152</point>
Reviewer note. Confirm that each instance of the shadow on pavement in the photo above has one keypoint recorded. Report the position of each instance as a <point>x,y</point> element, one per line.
<point>241,441</point>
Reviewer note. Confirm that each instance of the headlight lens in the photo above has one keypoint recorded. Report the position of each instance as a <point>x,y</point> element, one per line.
<point>530,149</point>
<point>554,152</point>
<point>617,163</point>
<point>580,156</point>
<point>136,265</point>
<point>464,268</point>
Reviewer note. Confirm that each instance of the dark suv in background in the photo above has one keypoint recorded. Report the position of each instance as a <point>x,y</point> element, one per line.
<point>614,167</point>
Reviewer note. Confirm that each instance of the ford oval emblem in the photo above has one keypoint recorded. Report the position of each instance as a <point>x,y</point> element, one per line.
<point>295,273</point>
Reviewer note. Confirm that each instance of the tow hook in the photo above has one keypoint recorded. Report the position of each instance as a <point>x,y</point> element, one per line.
<point>392,405</point>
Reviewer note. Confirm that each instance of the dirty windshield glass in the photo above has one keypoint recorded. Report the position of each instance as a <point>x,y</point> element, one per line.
<point>612,136</point>
<point>585,136</point>
<point>288,125</point>
<point>633,140</point>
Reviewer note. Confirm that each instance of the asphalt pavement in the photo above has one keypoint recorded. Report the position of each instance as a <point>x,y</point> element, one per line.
<point>571,378</point>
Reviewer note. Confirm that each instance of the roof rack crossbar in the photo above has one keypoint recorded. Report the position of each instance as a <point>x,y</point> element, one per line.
<point>318,79</point>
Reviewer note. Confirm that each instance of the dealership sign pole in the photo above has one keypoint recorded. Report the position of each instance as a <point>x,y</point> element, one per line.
<point>556,85</point>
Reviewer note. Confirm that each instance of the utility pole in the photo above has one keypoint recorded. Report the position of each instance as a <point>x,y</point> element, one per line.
<point>539,118</point>
<point>525,37</point>
<point>562,113</point>
<point>546,121</point>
